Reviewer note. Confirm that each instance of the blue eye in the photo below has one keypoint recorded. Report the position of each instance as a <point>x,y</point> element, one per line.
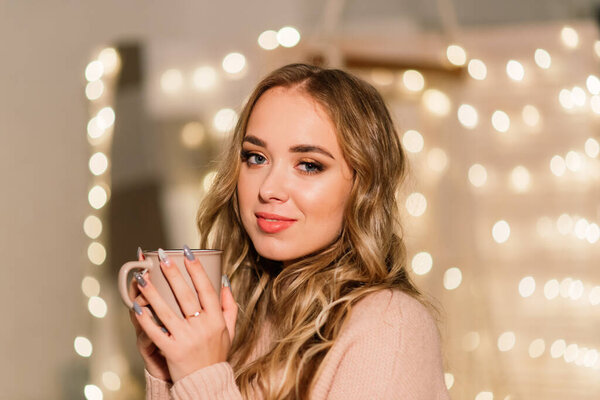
<point>311,167</point>
<point>248,156</point>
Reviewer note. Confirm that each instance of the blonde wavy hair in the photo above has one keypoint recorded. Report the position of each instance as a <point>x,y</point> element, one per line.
<point>308,301</point>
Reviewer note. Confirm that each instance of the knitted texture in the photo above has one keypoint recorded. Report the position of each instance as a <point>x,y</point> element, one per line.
<point>389,348</point>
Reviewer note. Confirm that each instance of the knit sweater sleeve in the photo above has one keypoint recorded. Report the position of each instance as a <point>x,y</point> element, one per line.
<point>215,382</point>
<point>394,354</point>
<point>156,389</point>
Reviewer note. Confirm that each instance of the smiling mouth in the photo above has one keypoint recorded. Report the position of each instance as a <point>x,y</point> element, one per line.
<point>269,225</point>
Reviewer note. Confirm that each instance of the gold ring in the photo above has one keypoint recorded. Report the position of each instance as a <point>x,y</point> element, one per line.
<point>193,315</point>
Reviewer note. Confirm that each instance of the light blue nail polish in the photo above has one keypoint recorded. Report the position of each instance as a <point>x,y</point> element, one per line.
<point>139,279</point>
<point>188,253</point>
<point>137,308</point>
<point>162,328</point>
<point>140,253</point>
<point>225,281</point>
<point>163,257</point>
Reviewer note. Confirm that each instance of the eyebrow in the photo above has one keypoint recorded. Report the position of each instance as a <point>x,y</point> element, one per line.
<point>300,148</point>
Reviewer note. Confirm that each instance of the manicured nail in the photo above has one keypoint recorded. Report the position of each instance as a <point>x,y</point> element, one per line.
<point>137,308</point>
<point>163,257</point>
<point>225,281</point>
<point>140,254</point>
<point>139,279</point>
<point>162,328</point>
<point>188,253</point>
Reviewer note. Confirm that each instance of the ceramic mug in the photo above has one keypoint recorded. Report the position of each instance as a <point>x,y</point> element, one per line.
<point>210,260</point>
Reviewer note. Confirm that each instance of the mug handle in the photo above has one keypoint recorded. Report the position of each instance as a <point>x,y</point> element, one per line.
<point>122,280</point>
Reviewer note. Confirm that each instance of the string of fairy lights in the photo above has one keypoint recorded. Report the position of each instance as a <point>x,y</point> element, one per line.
<point>577,165</point>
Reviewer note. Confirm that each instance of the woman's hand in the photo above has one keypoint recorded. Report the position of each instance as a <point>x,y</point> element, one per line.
<point>154,361</point>
<point>205,335</point>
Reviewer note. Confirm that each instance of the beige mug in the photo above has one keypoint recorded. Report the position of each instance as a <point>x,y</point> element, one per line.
<point>210,260</point>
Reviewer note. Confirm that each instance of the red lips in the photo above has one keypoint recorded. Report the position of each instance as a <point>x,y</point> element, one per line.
<point>278,224</point>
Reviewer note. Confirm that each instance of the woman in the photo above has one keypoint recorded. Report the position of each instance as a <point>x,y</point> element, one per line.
<point>304,206</point>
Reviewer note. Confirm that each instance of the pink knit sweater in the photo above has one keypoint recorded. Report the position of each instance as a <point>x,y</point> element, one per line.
<point>389,348</point>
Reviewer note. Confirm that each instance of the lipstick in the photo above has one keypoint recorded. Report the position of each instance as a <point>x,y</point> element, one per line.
<point>273,223</point>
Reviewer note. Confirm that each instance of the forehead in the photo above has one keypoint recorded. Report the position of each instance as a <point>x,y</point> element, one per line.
<point>289,116</point>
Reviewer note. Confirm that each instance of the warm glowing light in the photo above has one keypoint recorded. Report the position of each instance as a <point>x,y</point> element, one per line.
<point>477,175</point>
<point>520,179</point>
<point>576,289</point>
<point>565,285</point>
<point>94,71</point>
<point>558,166</point>
<point>452,278</point>
<point>97,307</point>
<point>515,70</point>
<point>564,224</point>
<point>477,69</point>
<point>92,392</point>
<point>171,81</point>
<point>288,36</point>
<point>573,161</point>
<point>224,120</point>
<point>208,180</point>
<point>551,289</point>
<point>579,96</point>
<point>413,141</point>
<point>536,348</point>
<point>456,55</point>
<point>527,286</point>
<point>416,204</point>
<point>594,296</point>
<point>592,147</point>
<point>593,84</point>
<point>94,129</point>
<point>106,117</point>
<point>500,121</point>
<point>437,102</point>
<point>506,341</point>
<point>471,341</point>
<point>437,159</point>
<point>595,103</point>
<point>467,115</point>
<point>96,253</point>
<point>382,77</point>
<point>92,226</point>
<point>565,98</point>
<point>234,63</point>
<point>97,197</point>
<point>558,348</point>
<point>204,78</point>
<point>531,115</point>
<point>569,37</point>
<point>590,358</point>
<point>83,346</point>
<point>98,163</point>
<point>111,381</point>
<point>448,380</point>
<point>484,396</point>
<point>268,40</point>
<point>192,135</point>
<point>592,233</point>
<point>422,263</point>
<point>90,286</point>
<point>94,90</point>
<point>542,58</point>
<point>501,231</point>
<point>110,60</point>
<point>570,353</point>
<point>413,80</point>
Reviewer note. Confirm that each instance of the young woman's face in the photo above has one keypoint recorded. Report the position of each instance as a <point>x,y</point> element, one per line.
<point>294,182</point>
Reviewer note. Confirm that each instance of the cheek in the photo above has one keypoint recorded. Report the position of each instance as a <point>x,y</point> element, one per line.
<point>325,200</point>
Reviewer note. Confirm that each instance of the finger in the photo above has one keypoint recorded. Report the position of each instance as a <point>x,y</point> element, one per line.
<point>206,291</point>
<point>229,307</point>
<point>153,331</point>
<point>185,295</point>
<point>158,304</point>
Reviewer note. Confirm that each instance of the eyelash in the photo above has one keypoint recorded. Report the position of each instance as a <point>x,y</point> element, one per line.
<point>246,155</point>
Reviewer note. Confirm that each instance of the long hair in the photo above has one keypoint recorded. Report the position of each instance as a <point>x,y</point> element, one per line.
<point>308,301</point>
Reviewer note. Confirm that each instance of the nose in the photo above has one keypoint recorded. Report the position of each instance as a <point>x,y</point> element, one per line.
<point>274,184</point>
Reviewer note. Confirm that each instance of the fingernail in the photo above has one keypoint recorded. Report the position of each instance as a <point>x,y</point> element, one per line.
<point>137,308</point>
<point>188,253</point>
<point>163,257</point>
<point>140,254</point>
<point>225,281</point>
<point>162,328</point>
<point>139,279</point>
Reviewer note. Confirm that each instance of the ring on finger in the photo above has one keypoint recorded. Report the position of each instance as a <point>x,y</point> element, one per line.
<point>197,313</point>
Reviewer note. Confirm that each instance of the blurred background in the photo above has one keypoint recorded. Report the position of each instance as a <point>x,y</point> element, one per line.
<point>112,114</point>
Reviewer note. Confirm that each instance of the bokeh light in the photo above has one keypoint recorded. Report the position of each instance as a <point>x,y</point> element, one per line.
<point>477,175</point>
<point>413,141</point>
<point>413,80</point>
<point>204,77</point>
<point>268,40</point>
<point>467,116</point>
<point>501,231</point>
<point>416,204</point>
<point>542,58</point>
<point>437,102</point>
<point>477,69</point>
<point>456,55</point>
<point>422,263</point>
<point>234,63</point>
